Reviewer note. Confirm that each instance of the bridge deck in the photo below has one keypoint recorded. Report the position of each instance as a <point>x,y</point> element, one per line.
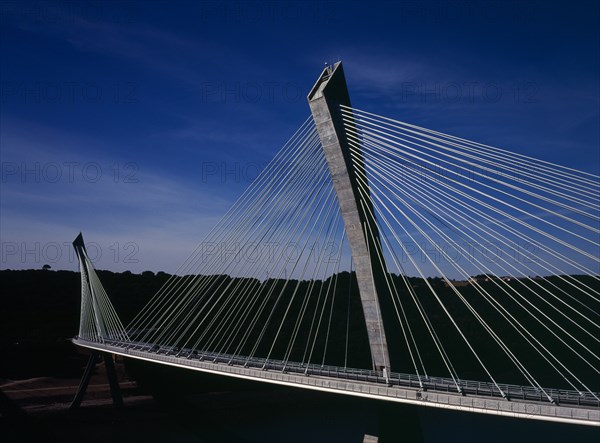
<point>360,383</point>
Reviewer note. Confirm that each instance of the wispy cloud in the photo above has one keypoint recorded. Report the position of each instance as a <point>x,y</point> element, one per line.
<point>49,193</point>
<point>139,43</point>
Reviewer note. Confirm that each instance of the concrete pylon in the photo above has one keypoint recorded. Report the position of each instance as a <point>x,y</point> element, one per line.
<point>87,289</point>
<point>328,93</point>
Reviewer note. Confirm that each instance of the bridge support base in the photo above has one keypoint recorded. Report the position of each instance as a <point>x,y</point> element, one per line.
<point>111,374</point>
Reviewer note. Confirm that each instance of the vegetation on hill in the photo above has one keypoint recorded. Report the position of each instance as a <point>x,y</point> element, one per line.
<point>39,313</point>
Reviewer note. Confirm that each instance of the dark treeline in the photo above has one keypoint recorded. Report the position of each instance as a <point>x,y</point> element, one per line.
<point>40,312</point>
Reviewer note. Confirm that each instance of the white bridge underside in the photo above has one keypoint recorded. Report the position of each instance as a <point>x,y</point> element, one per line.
<point>446,400</point>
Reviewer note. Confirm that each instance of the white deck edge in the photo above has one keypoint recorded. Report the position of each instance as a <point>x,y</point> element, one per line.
<point>423,402</point>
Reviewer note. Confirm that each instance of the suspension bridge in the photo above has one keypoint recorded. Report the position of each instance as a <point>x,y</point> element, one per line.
<point>380,259</point>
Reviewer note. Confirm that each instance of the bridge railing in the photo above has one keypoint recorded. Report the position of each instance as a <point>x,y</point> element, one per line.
<point>421,383</point>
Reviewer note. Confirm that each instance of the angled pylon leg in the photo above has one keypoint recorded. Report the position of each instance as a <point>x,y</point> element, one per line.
<point>111,374</point>
<point>85,380</point>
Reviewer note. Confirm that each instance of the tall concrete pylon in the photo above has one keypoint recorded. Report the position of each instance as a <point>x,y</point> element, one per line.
<point>87,290</point>
<point>328,93</point>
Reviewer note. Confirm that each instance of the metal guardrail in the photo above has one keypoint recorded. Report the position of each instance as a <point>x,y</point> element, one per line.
<point>422,384</point>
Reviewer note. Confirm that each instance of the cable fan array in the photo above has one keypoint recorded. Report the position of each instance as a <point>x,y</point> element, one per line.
<point>267,281</point>
<point>490,259</point>
<point>98,320</point>
<point>505,247</point>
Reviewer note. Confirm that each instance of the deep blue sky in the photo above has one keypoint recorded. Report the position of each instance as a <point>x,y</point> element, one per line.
<point>139,123</point>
